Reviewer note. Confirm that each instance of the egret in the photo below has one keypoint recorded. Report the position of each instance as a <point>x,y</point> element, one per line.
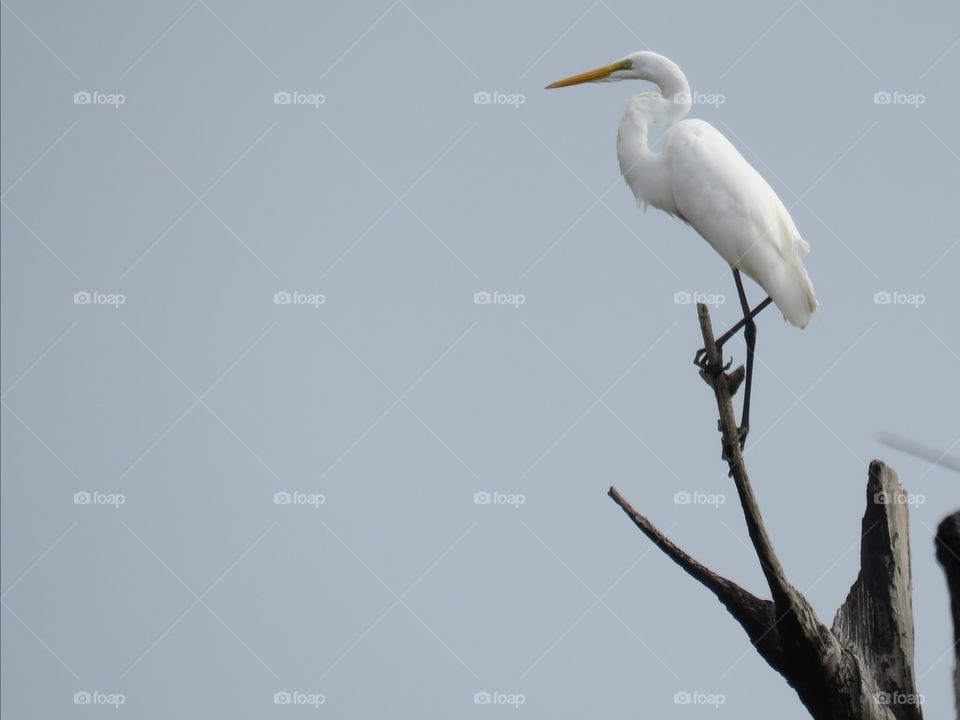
<point>699,177</point>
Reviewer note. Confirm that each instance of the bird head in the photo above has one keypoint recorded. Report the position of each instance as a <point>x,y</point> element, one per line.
<point>643,65</point>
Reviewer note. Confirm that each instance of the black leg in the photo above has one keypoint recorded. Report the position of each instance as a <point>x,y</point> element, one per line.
<point>744,305</point>
<point>748,318</point>
<point>750,335</point>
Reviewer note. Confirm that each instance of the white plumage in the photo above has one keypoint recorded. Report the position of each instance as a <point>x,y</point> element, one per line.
<point>699,177</point>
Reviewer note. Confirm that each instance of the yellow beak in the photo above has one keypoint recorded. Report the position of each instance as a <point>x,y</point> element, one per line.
<point>591,75</point>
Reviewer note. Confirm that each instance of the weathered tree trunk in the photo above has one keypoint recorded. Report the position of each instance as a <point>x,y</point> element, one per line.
<point>862,667</point>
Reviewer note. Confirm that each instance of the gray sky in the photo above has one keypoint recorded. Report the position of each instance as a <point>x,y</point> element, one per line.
<point>182,186</point>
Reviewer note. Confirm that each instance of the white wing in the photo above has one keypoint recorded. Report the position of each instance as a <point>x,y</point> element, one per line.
<point>725,200</point>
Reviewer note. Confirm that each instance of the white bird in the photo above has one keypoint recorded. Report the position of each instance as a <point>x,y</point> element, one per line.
<point>701,178</point>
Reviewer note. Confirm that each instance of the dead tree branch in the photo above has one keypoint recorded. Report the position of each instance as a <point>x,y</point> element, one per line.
<point>862,667</point>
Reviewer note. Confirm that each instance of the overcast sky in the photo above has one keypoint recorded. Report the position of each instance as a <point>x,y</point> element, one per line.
<point>253,404</point>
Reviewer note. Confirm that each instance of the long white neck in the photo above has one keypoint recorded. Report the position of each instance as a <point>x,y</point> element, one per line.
<point>665,107</point>
<point>641,167</point>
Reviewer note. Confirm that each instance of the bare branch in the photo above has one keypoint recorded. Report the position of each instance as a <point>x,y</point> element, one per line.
<point>772,571</point>
<point>755,615</point>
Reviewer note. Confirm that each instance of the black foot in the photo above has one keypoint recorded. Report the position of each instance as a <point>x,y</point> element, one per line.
<point>700,360</point>
<point>743,432</point>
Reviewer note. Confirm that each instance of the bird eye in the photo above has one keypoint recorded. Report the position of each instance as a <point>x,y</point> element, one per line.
<point>627,64</point>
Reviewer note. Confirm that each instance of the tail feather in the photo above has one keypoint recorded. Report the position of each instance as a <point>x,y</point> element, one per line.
<point>792,291</point>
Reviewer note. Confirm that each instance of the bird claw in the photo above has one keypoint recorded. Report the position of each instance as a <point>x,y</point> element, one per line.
<point>701,361</point>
